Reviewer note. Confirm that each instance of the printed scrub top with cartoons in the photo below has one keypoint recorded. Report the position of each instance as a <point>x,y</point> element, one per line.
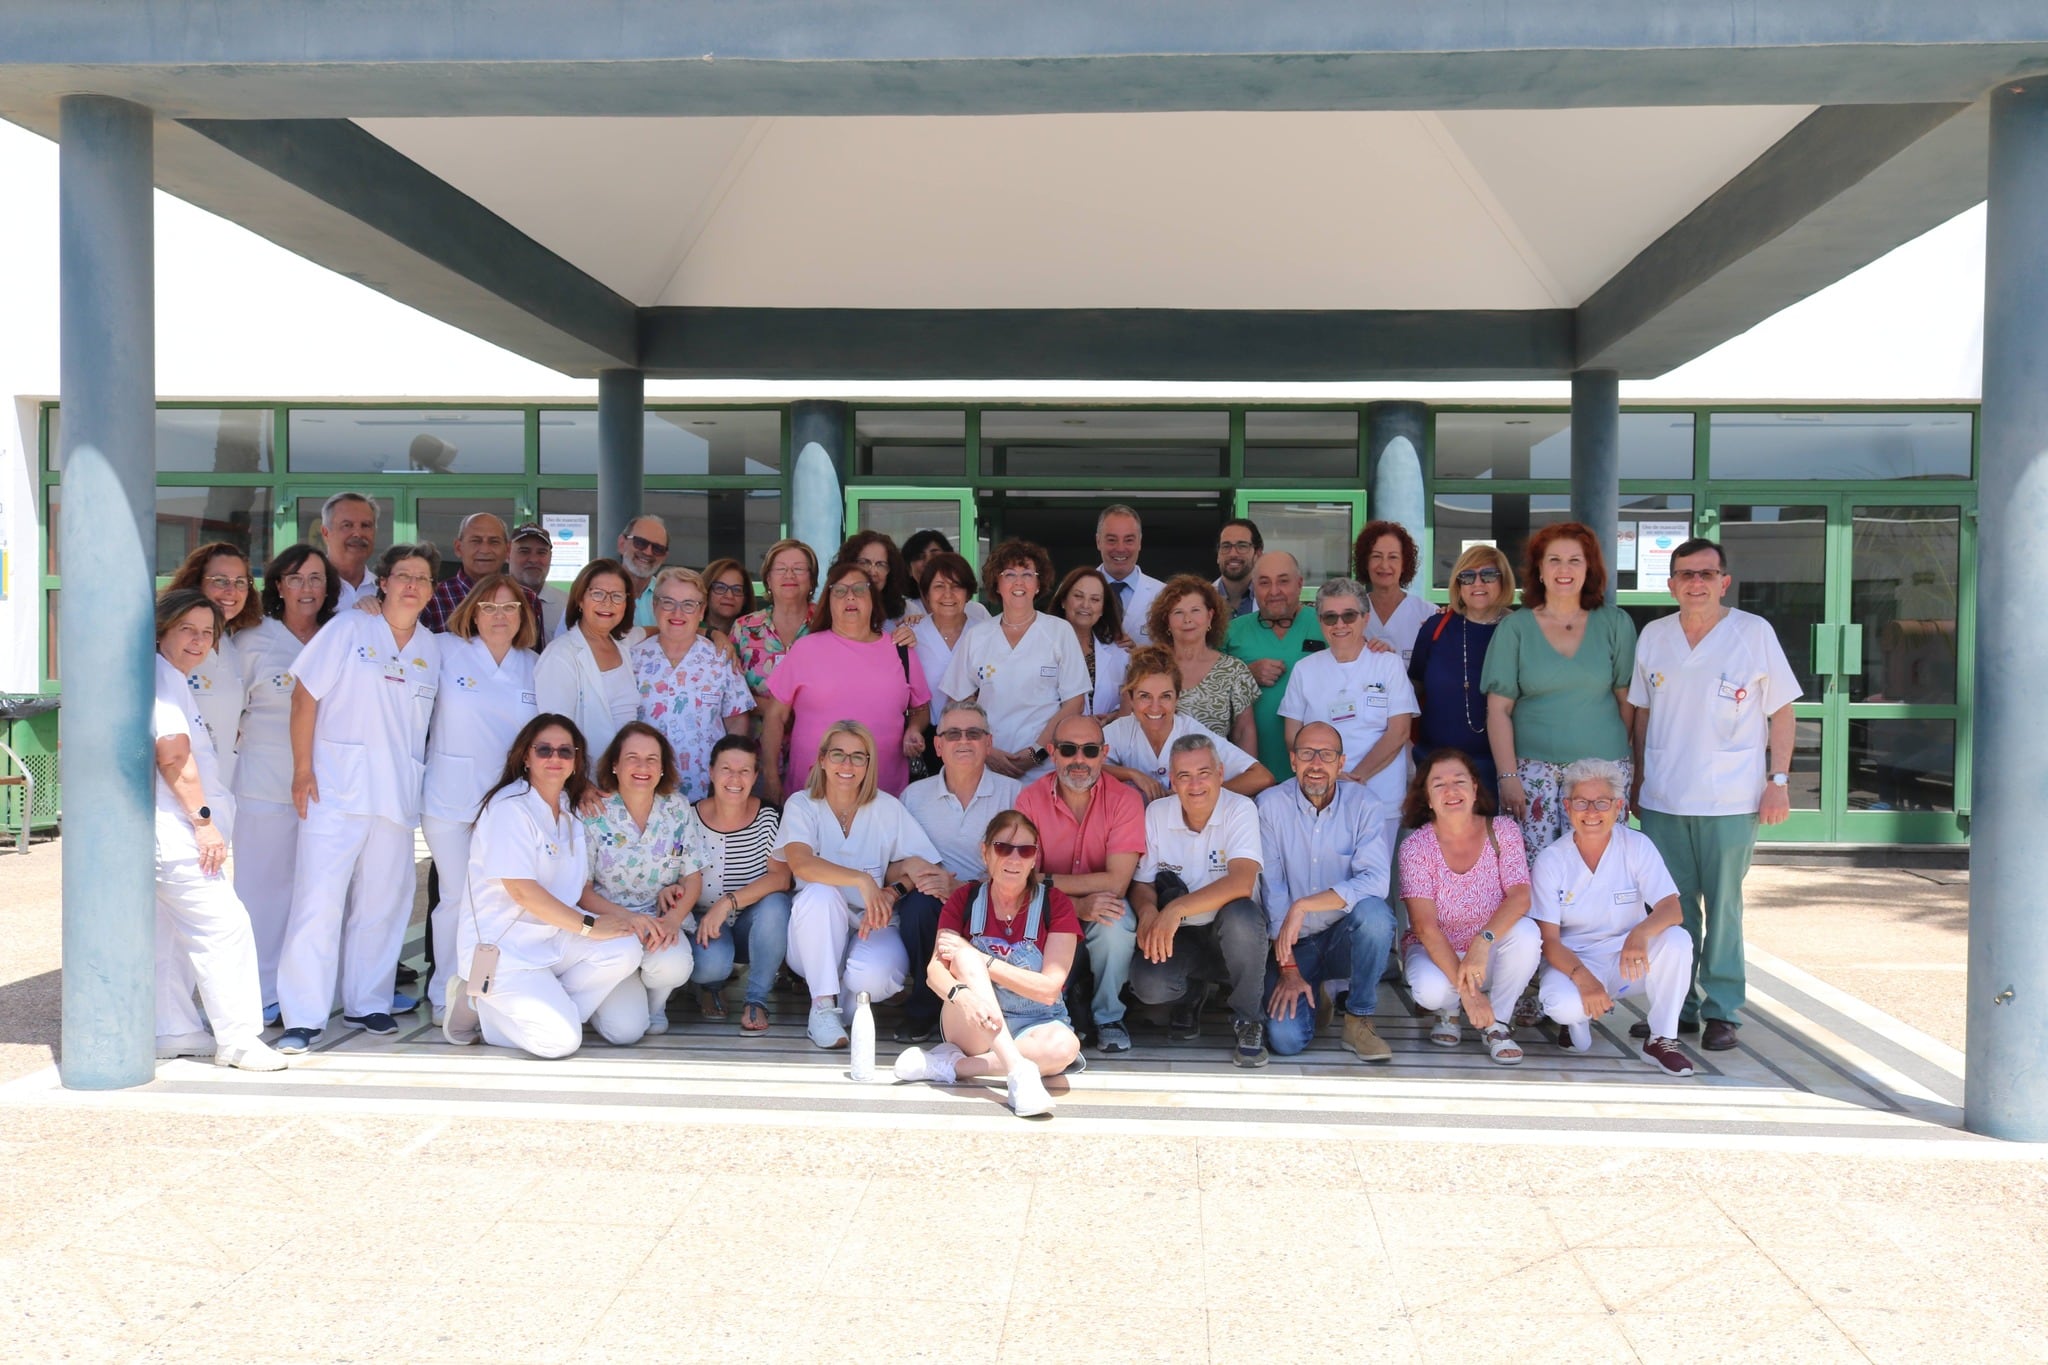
<point>1199,856</point>
<point>629,864</point>
<point>1710,713</point>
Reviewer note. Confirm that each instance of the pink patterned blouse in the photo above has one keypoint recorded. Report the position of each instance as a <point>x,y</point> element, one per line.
<point>759,647</point>
<point>689,702</point>
<point>1464,901</point>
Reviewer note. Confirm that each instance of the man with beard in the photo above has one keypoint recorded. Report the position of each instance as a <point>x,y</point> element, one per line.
<point>348,528</point>
<point>1238,544</point>
<point>533,554</point>
<point>1091,830</point>
<point>643,549</point>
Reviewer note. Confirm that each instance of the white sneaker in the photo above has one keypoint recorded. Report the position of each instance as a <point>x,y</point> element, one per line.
<point>657,1024</point>
<point>254,1056</point>
<point>1028,1097</point>
<point>936,1066</point>
<point>459,1024</point>
<point>170,1046</point>
<point>825,1028</point>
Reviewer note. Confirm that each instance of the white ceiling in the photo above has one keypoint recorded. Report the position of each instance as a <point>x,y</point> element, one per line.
<point>1510,210</point>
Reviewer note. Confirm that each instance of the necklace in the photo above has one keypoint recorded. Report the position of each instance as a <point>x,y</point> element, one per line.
<point>1465,677</point>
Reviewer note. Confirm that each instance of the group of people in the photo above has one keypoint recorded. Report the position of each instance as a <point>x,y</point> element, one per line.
<point>1024,804</point>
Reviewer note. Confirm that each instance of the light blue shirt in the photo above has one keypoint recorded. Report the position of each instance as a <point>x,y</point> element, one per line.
<point>1342,847</point>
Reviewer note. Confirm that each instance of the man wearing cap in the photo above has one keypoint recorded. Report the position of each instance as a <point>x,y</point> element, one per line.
<point>481,545</point>
<point>533,554</point>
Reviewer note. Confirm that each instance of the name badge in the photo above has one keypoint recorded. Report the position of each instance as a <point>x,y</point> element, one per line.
<point>424,692</point>
<point>1049,671</point>
<point>1628,896</point>
<point>1378,699</point>
<point>529,699</point>
<point>1735,692</point>
<point>1343,708</point>
<point>394,677</point>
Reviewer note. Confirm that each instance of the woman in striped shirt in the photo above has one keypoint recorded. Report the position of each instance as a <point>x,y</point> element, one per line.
<point>745,893</point>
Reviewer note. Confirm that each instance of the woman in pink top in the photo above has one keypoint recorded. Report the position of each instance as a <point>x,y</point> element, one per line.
<point>1465,879</point>
<point>844,669</point>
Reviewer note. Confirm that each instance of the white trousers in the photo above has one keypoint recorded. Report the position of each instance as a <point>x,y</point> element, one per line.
<point>266,851</point>
<point>203,941</point>
<point>541,1011</point>
<point>448,841</point>
<point>333,931</point>
<point>1666,983</point>
<point>1508,969</point>
<point>625,1014</point>
<point>825,952</point>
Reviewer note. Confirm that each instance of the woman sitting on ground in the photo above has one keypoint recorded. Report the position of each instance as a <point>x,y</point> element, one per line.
<point>1005,947</point>
<point>743,898</point>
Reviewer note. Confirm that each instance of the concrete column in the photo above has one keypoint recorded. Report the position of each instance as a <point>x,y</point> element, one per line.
<point>2005,1087</point>
<point>1394,436</point>
<point>106,617</point>
<point>817,503</point>
<point>1596,457</point>
<point>621,454</point>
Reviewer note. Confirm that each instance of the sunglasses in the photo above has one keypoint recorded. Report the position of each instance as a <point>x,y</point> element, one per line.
<point>1467,577</point>
<point>1005,849</point>
<point>1341,618</point>
<point>648,547</point>
<point>973,732</point>
<point>554,751</point>
<point>1067,748</point>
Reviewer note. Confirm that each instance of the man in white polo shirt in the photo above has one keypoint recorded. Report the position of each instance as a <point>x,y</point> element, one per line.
<point>1194,895</point>
<point>1713,693</point>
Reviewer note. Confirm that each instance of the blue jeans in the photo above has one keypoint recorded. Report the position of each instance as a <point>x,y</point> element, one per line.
<point>764,928</point>
<point>1355,947</point>
<point>1110,948</point>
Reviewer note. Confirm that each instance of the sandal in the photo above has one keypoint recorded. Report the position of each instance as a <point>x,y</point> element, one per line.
<point>754,1018</point>
<point>1444,1032</point>
<point>710,1002</point>
<point>1501,1043</point>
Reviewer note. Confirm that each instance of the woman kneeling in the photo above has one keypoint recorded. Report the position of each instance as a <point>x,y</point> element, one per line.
<point>541,965</point>
<point>1005,947</point>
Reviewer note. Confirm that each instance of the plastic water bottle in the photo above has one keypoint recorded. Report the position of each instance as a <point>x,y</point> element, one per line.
<point>863,1039</point>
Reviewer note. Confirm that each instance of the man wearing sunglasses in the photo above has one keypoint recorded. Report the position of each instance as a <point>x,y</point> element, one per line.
<point>954,808</point>
<point>643,549</point>
<point>1091,830</point>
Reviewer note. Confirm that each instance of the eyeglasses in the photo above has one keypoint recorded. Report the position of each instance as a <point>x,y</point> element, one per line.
<point>789,571</point>
<point>605,595</point>
<point>498,608</point>
<point>1005,849</point>
<point>1239,545</point>
<point>844,590</point>
<point>973,732</point>
<point>220,582</point>
<point>1340,618</point>
<point>296,581</point>
<point>1603,804</point>
<point>1319,755</point>
<point>648,547</point>
<point>1467,577</point>
<point>1067,748</point>
<point>1682,575</point>
<point>728,590</point>
<point>857,757</point>
<point>1018,574</point>
<point>410,580</point>
<point>678,605</point>
<point>554,751</point>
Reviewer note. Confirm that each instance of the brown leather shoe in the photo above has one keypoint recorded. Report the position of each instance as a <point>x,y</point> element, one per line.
<point>1719,1036</point>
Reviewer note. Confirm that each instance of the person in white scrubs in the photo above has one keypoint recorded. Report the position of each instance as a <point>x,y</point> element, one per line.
<point>1024,666</point>
<point>854,851</point>
<point>348,530</point>
<point>1608,911</point>
<point>221,572</point>
<point>528,870</point>
<point>1085,602</point>
<point>1385,559</point>
<point>363,699</point>
<point>1141,740</point>
<point>298,598</point>
<point>486,695</point>
<point>946,596</point>
<point>203,940</point>
<point>584,673</point>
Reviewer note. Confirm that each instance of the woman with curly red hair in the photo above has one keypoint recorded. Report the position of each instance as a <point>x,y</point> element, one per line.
<point>1385,559</point>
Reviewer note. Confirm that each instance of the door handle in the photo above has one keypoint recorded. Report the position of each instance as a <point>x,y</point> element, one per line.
<point>1827,656</point>
<point>1852,650</point>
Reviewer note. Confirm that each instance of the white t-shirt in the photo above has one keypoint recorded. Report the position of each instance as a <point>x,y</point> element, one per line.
<point>1200,856</point>
<point>218,688</point>
<point>1595,908</point>
<point>518,837</point>
<point>1358,698</point>
<point>176,713</point>
<point>934,655</point>
<point>376,699</point>
<point>1020,688</point>
<point>1128,747</point>
<point>956,830</point>
<point>883,831</point>
<point>1708,741</point>
<point>1399,629</point>
<point>477,714</point>
<point>263,770</point>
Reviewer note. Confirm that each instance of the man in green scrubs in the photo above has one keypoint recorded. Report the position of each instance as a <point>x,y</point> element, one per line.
<point>1272,641</point>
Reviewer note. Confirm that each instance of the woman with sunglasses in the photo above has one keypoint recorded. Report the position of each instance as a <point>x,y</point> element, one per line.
<point>1450,655</point>
<point>584,673</point>
<point>690,689</point>
<point>1005,947</point>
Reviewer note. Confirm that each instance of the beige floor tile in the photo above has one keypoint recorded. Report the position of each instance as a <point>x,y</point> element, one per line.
<point>1429,1278</point>
<point>898,1244</point>
<point>653,1199</point>
<point>1360,1333</point>
<point>1480,1331</point>
<point>537,1322</point>
<point>1448,1222</point>
<point>1255,1163</point>
<point>1862,1276</point>
<point>514,1252</point>
<point>1323,1245</point>
<point>1406,1166</point>
<point>1682,1225</point>
<point>1777,1336</point>
<point>1131,1247</point>
<point>328,1318</point>
<point>1057,1329</point>
<point>768,1235</point>
<point>1915,1336</point>
<point>156,1232</point>
<point>1638,1279</point>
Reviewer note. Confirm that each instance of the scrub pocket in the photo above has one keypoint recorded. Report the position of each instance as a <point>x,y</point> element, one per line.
<point>340,769</point>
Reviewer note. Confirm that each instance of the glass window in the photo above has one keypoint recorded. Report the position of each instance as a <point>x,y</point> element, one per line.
<point>1179,527</point>
<point>1902,765</point>
<point>1839,445</point>
<point>1538,445</point>
<point>1105,445</point>
<point>1505,520</point>
<point>199,440</point>
<point>908,445</point>
<point>50,629</point>
<point>900,518</point>
<point>187,518</point>
<point>1319,534</point>
<point>400,441</point>
<point>702,526</point>
<point>1650,526</point>
<point>677,444</point>
<point>1904,562</point>
<point>1777,555</point>
<point>1301,445</point>
<point>436,521</point>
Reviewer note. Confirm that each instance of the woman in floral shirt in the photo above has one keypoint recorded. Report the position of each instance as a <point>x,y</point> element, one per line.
<point>646,857</point>
<point>761,638</point>
<point>689,689</point>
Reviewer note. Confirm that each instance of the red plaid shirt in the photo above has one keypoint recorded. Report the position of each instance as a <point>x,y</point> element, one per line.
<point>448,595</point>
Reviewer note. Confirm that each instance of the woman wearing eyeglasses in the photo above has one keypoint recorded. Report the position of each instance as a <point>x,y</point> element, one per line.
<point>220,571</point>
<point>363,696</point>
<point>728,595</point>
<point>487,694</point>
<point>1023,666</point>
<point>854,851</point>
<point>689,689</point>
<point>1005,947</point>
<point>946,598</point>
<point>584,673</point>
<point>761,638</point>
<point>1450,657</point>
<point>1217,689</point>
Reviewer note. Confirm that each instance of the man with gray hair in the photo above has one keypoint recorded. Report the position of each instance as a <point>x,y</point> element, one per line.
<point>1195,897</point>
<point>1119,536</point>
<point>1271,641</point>
<point>348,529</point>
<point>482,545</point>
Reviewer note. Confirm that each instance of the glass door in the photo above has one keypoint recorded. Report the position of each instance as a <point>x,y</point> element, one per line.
<point>433,513</point>
<point>899,512</point>
<point>1316,527</point>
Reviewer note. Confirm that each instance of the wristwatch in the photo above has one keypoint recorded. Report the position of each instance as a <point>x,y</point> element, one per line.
<point>1487,934</point>
<point>589,923</point>
<point>1039,753</point>
<point>957,988</point>
<point>203,815</point>
<point>1778,779</point>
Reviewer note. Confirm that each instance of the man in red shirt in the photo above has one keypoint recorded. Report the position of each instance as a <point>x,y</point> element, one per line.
<point>1091,830</point>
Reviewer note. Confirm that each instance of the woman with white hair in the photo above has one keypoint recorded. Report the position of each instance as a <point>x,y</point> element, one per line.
<point>690,689</point>
<point>1609,914</point>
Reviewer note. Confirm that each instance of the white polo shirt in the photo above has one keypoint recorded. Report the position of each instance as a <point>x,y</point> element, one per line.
<point>1358,698</point>
<point>1128,747</point>
<point>882,832</point>
<point>478,712</point>
<point>956,830</point>
<point>1399,629</point>
<point>1594,908</point>
<point>1200,856</point>
<point>174,712</point>
<point>518,837</point>
<point>1019,687</point>
<point>376,699</point>
<point>1708,742</point>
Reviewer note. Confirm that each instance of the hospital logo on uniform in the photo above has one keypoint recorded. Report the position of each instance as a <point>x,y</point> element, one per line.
<point>1216,863</point>
<point>1656,680</point>
<point>367,653</point>
<point>199,682</point>
<point>467,683</point>
<point>282,681</point>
